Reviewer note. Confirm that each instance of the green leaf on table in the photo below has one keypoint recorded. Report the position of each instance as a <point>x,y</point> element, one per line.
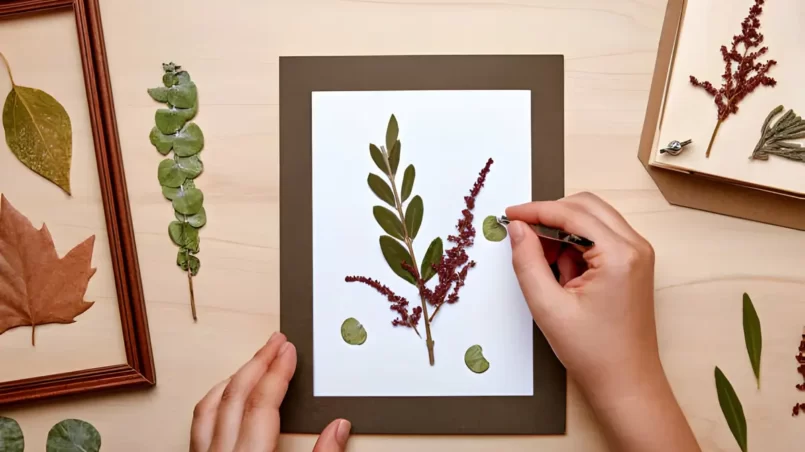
<point>191,167</point>
<point>185,259</point>
<point>73,435</point>
<point>169,120</point>
<point>389,222</point>
<point>197,221</point>
<point>11,439</point>
<point>163,143</point>
<point>184,235</point>
<point>169,79</point>
<point>188,141</point>
<point>732,409</point>
<point>353,332</point>
<point>394,157</point>
<point>413,216</point>
<point>493,231</point>
<point>392,133</point>
<point>377,157</point>
<point>159,94</point>
<point>183,95</point>
<point>475,361</point>
<point>381,189</point>
<point>752,335</point>
<point>407,183</point>
<point>188,201</point>
<point>433,256</point>
<point>395,255</point>
<point>169,174</point>
<point>39,133</point>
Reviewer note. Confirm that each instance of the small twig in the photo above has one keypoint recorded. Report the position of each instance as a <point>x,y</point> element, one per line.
<point>8,68</point>
<point>190,283</point>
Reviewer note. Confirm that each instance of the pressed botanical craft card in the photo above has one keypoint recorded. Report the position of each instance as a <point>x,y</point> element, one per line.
<point>397,284</point>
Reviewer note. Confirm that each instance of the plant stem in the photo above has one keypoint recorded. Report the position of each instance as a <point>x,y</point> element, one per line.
<point>410,244</point>
<point>190,282</point>
<point>713,138</point>
<point>8,68</point>
<point>435,311</point>
<point>33,334</point>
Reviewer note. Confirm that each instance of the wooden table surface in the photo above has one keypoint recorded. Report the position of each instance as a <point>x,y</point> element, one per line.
<point>704,261</point>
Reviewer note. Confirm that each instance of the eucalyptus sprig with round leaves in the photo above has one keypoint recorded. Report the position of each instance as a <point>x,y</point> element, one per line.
<point>175,132</point>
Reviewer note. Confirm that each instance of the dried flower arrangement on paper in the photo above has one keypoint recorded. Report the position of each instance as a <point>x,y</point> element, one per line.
<point>174,132</point>
<point>774,139</point>
<point>402,225</point>
<point>742,72</point>
<point>39,287</point>
<point>67,435</point>
<point>38,132</point>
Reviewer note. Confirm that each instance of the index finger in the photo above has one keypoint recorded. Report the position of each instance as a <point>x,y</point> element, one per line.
<point>563,216</point>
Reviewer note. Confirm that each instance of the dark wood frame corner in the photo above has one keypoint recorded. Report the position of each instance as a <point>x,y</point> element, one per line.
<point>139,368</point>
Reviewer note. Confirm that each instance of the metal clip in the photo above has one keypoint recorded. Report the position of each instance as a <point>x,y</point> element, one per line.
<point>675,147</point>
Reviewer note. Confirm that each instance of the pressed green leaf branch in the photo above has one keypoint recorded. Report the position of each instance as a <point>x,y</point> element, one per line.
<point>731,408</point>
<point>752,335</point>
<point>38,132</point>
<point>776,139</point>
<point>176,175</point>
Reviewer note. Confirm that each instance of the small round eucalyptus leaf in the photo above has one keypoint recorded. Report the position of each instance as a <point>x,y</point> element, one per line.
<point>475,361</point>
<point>188,201</point>
<point>353,332</point>
<point>11,439</point>
<point>198,220</point>
<point>73,435</point>
<point>493,231</point>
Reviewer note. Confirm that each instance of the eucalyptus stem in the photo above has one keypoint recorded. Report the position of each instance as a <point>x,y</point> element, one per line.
<point>8,68</point>
<point>192,294</point>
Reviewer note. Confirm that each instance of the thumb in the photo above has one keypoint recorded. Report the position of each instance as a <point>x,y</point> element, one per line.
<point>334,437</point>
<point>536,278</point>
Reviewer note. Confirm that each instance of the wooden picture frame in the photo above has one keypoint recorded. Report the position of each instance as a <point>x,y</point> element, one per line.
<point>139,368</point>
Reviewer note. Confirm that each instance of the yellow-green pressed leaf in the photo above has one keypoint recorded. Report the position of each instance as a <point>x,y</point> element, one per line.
<point>163,143</point>
<point>197,221</point>
<point>731,408</point>
<point>408,182</point>
<point>187,201</point>
<point>752,335</point>
<point>475,361</point>
<point>392,133</point>
<point>388,221</point>
<point>413,216</point>
<point>73,435</point>
<point>433,256</point>
<point>353,332</point>
<point>395,255</point>
<point>493,231</point>
<point>377,157</point>
<point>381,189</point>
<point>188,141</point>
<point>185,260</point>
<point>39,133</point>
<point>11,439</point>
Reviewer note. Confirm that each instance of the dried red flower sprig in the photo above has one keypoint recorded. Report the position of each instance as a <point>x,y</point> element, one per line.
<point>398,304</point>
<point>748,74</point>
<point>801,369</point>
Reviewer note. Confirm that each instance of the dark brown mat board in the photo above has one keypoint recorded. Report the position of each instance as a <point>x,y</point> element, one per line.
<point>543,75</point>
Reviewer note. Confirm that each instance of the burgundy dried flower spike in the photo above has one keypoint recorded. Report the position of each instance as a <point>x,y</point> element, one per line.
<point>742,72</point>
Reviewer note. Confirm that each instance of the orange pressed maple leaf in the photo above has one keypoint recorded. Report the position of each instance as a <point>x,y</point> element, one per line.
<point>36,287</point>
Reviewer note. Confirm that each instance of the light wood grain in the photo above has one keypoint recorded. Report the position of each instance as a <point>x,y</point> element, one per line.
<point>705,262</point>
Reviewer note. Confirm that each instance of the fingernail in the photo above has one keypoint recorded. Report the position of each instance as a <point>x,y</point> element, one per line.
<point>342,432</point>
<point>271,337</point>
<point>516,231</point>
<point>285,347</point>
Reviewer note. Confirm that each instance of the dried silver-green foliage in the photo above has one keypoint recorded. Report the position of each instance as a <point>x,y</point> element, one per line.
<point>73,435</point>
<point>38,132</point>
<point>475,361</point>
<point>353,332</point>
<point>174,132</point>
<point>11,439</point>
<point>493,231</point>
<point>775,139</point>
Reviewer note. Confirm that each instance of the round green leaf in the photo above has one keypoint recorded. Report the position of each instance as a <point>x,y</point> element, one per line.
<point>169,121</point>
<point>191,167</point>
<point>73,435</point>
<point>183,77</point>
<point>188,201</point>
<point>381,189</point>
<point>11,438</point>
<point>169,79</point>
<point>189,141</point>
<point>183,95</point>
<point>163,143</point>
<point>413,216</point>
<point>395,255</point>
<point>188,113</point>
<point>197,221</point>
<point>392,132</point>
<point>170,192</point>
<point>408,182</point>
<point>377,157</point>
<point>353,332</point>
<point>388,221</point>
<point>493,231</point>
<point>169,174</point>
<point>159,94</point>
<point>433,256</point>
<point>475,361</point>
<point>184,235</point>
<point>185,259</point>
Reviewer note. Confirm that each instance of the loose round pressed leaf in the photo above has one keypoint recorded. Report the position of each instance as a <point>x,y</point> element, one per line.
<point>433,256</point>
<point>169,121</point>
<point>11,438</point>
<point>377,157</point>
<point>388,221</point>
<point>183,95</point>
<point>394,157</point>
<point>159,94</point>
<point>408,182</point>
<point>493,231</point>
<point>185,259</point>
<point>475,361</point>
<point>413,216</point>
<point>170,174</point>
<point>188,141</point>
<point>191,167</point>
<point>163,143</point>
<point>392,133</point>
<point>188,201</point>
<point>197,221</point>
<point>381,189</point>
<point>73,435</point>
<point>353,332</point>
<point>395,255</point>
